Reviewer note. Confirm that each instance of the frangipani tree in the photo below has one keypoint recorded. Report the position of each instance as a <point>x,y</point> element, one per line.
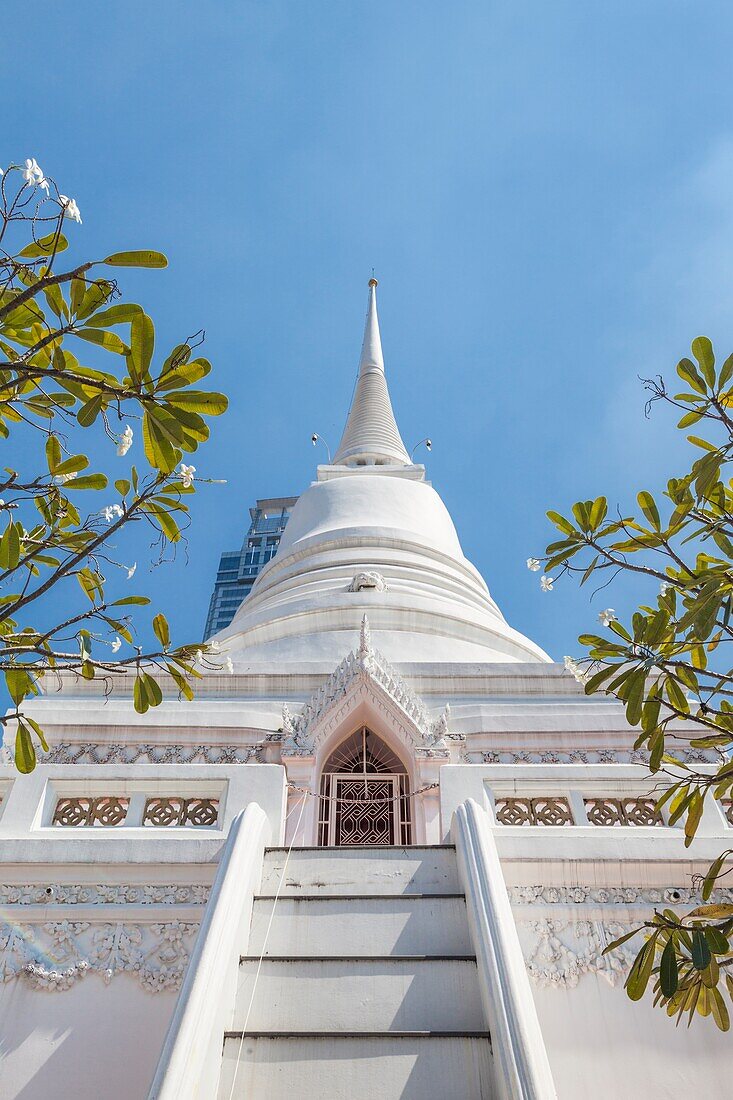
<point>671,665</point>
<point>60,520</point>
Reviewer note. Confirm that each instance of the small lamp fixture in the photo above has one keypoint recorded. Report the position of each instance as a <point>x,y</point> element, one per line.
<point>428,446</point>
<point>316,438</point>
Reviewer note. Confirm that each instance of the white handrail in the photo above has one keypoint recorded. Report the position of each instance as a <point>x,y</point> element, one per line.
<point>521,1066</point>
<point>190,1060</point>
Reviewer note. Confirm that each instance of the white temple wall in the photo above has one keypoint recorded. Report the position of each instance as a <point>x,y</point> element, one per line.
<point>601,1044</point>
<point>87,1042</point>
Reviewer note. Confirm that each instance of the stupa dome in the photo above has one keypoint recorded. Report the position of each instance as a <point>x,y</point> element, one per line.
<point>371,536</point>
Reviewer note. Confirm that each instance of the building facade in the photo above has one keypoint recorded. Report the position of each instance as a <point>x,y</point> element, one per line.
<point>380,857</point>
<point>238,569</point>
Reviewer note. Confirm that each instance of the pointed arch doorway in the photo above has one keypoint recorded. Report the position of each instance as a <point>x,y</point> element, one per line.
<point>365,794</point>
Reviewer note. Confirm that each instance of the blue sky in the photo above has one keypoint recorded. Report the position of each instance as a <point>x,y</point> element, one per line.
<point>544,191</point>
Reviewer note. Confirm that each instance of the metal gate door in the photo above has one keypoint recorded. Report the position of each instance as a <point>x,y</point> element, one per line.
<point>364,809</point>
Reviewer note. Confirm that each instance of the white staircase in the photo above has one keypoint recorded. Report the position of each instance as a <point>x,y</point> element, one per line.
<point>368,986</point>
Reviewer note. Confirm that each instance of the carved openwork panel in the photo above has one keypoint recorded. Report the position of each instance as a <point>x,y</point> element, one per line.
<point>167,812</point>
<point>105,811</point>
<point>533,811</point>
<point>622,811</point>
<point>727,804</point>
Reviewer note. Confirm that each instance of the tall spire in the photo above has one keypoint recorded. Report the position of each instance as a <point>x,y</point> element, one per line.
<point>371,435</point>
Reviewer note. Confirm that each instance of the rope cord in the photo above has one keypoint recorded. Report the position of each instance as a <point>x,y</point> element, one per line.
<point>300,805</point>
<point>359,801</point>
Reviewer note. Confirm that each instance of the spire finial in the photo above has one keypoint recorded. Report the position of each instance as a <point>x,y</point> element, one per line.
<point>371,435</point>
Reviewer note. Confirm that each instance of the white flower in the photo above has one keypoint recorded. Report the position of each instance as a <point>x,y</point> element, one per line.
<point>33,175</point>
<point>124,441</point>
<point>187,473</point>
<point>61,479</point>
<point>112,512</point>
<point>131,571</point>
<point>607,617</point>
<point>71,210</point>
<point>576,670</point>
<point>214,647</point>
<point>546,583</point>
<point>115,645</point>
<point>229,667</point>
<point>533,564</point>
<point>664,588</point>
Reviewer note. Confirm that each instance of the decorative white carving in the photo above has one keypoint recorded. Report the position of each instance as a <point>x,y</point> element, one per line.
<point>88,752</point>
<point>57,954</point>
<point>612,895</point>
<point>362,670</point>
<point>102,894</point>
<point>583,756</point>
<point>560,952</point>
<point>374,581</point>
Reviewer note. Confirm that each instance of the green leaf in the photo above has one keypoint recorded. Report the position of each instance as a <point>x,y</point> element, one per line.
<point>53,453</point>
<point>183,686</point>
<point>717,942</point>
<point>44,247</point>
<point>634,695</point>
<point>702,349</point>
<point>561,523</point>
<point>89,412</point>
<point>152,690</point>
<point>713,873</point>
<point>694,814</point>
<point>115,315</point>
<point>700,950</point>
<point>688,372</point>
<point>641,970</point>
<point>140,601</point>
<point>162,633</point>
<point>19,684</point>
<point>726,372</point>
<point>209,404</point>
<point>104,338</point>
<point>25,752</point>
<point>89,481</point>
<point>143,258</point>
<point>142,343</point>
<point>650,510</point>
<point>668,977</point>
<point>139,695</point>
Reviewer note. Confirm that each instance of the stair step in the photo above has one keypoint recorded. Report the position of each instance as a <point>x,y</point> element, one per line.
<point>370,925</point>
<point>422,870</point>
<point>406,1065</point>
<point>388,994</point>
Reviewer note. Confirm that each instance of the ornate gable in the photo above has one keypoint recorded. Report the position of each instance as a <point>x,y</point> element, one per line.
<point>364,673</point>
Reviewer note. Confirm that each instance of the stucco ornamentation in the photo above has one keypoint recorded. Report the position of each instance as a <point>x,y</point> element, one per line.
<point>102,894</point>
<point>89,752</point>
<point>581,756</point>
<point>368,580</point>
<point>57,954</point>
<point>559,952</point>
<point>612,895</point>
<point>363,670</point>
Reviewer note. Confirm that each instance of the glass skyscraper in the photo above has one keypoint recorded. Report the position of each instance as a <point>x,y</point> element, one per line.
<point>238,568</point>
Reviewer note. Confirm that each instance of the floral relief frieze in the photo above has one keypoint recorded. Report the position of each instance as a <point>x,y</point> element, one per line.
<point>560,950</point>
<point>89,752</point>
<point>558,953</point>
<point>581,756</point>
<point>57,954</point>
<point>102,894</point>
<point>611,895</point>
